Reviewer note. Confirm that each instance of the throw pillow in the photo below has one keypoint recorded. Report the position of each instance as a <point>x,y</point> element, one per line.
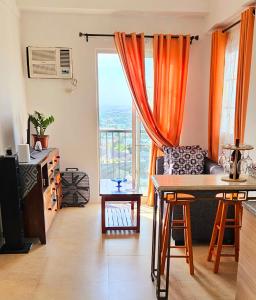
<point>187,161</point>
<point>168,154</point>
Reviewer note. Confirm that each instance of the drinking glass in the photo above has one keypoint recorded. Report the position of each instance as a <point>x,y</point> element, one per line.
<point>222,158</point>
<point>226,167</point>
<point>245,163</point>
<point>248,160</point>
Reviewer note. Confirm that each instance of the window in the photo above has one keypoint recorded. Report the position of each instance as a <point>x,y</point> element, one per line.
<point>124,143</point>
<point>229,91</point>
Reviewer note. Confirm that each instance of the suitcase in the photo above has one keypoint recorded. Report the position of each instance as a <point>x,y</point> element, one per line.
<point>76,189</point>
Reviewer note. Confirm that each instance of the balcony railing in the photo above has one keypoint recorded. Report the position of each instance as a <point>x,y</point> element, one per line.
<point>119,157</point>
<point>115,153</point>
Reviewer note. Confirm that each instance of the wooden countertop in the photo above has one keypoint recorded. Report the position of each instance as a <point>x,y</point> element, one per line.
<point>200,183</point>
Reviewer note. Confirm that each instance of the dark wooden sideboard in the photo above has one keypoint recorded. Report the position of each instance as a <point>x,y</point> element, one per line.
<point>44,196</point>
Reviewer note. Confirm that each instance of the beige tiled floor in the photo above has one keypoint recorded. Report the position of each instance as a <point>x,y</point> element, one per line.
<point>79,264</point>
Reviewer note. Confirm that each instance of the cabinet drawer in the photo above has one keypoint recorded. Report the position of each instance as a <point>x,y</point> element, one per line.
<point>59,195</point>
<point>49,215</point>
<point>56,161</point>
<point>57,179</point>
<point>47,197</point>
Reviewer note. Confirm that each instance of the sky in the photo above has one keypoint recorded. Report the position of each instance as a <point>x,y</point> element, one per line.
<point>113,88</point>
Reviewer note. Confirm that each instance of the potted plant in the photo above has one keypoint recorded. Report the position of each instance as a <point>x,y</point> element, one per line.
<point>40,123</point>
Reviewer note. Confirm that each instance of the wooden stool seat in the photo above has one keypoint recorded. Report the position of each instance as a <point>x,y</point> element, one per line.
<point>178,197</point>
<point>184,224</point>
<point>222,222</point>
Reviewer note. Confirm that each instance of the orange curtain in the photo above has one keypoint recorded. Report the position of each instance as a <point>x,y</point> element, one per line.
<point>244,69</point>
<point>171,56</point>
<point>219,42</point>
<point>132,55</point>
<point>170,78</point>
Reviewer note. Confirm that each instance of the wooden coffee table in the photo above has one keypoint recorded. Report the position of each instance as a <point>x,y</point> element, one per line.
<point>117,207</point>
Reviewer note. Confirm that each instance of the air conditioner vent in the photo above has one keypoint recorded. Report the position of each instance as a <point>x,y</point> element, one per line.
<point>64,58</point>
<point>44,55</point>
<point>44,69</point>
<point>49,62</point>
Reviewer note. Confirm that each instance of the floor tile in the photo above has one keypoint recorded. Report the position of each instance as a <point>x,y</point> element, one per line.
<point>79,263</point>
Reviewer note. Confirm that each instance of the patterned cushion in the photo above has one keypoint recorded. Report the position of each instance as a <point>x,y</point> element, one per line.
<point>168,155</point>
<point>187,161</point>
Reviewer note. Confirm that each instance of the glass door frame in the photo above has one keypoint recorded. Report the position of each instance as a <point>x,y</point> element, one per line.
<point>135,174</point>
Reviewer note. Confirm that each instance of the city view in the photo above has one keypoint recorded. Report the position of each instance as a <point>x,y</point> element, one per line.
<point>116,127</point>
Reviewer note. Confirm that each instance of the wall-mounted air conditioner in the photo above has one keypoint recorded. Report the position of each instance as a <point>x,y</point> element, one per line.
<point>49,62</point>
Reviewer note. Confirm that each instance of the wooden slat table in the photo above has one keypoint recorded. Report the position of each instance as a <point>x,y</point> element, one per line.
<point>201,187</point>
<point>120,216</point>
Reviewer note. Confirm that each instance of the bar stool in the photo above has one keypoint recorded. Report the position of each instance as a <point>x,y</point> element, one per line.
<point>222,222</point>
<point>173,200</point>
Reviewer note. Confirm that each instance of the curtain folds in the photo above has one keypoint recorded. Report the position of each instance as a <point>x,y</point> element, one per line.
<point>219,42</point>
<point>171,56</point>
<point>131,52</point>
<point>243,75</point>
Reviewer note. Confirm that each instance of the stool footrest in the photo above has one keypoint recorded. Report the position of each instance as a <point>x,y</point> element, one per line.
<point>183,224</point>
<point>178,227</point>
<point>230,226</point>
<point>178,221</point>
<point>224,254</point>
<point>226,246</point>
<point>179,256</point>
<point>223,222</point>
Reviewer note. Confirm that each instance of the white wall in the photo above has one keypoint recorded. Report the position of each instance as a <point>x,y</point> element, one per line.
<point>195,124</point>
<point>224,11</point>
<point>75,128</point>
<point>13,112</point>
<point>191,6</point>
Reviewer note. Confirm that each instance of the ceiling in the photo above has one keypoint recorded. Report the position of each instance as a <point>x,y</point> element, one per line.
<point>162,7</point>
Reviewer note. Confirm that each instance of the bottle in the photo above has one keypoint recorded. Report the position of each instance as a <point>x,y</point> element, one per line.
<point>233,165</point>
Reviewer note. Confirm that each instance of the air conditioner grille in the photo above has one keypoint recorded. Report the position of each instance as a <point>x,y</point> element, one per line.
<point>49,62</point>
<point>43,55</point>
<point>65,58</point>
<point>45,69</point>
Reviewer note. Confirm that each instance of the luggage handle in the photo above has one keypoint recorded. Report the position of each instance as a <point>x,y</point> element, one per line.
<point>72,169</point>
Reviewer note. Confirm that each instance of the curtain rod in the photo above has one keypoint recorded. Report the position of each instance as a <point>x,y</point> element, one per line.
<point>87,35</point>
<point>234,24</point>
<point>231,26</point>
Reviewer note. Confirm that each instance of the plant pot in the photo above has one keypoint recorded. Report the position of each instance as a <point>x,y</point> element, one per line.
<point>44,139</point>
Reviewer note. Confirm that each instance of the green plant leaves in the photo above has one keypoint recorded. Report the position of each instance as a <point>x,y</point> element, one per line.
<point>41,122</point>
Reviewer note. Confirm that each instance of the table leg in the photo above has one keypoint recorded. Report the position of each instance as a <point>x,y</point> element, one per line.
<point>159,291</point>
<point>153,254</point>
<point>168,252</point>
<point>103,215</point>
<point>138,215</point>
<point>132,205</point>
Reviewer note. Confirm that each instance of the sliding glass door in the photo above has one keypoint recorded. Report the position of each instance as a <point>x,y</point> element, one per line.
<point>124,145</point>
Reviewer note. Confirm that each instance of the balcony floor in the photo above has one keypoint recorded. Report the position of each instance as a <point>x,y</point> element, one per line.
<point>79,264</point>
